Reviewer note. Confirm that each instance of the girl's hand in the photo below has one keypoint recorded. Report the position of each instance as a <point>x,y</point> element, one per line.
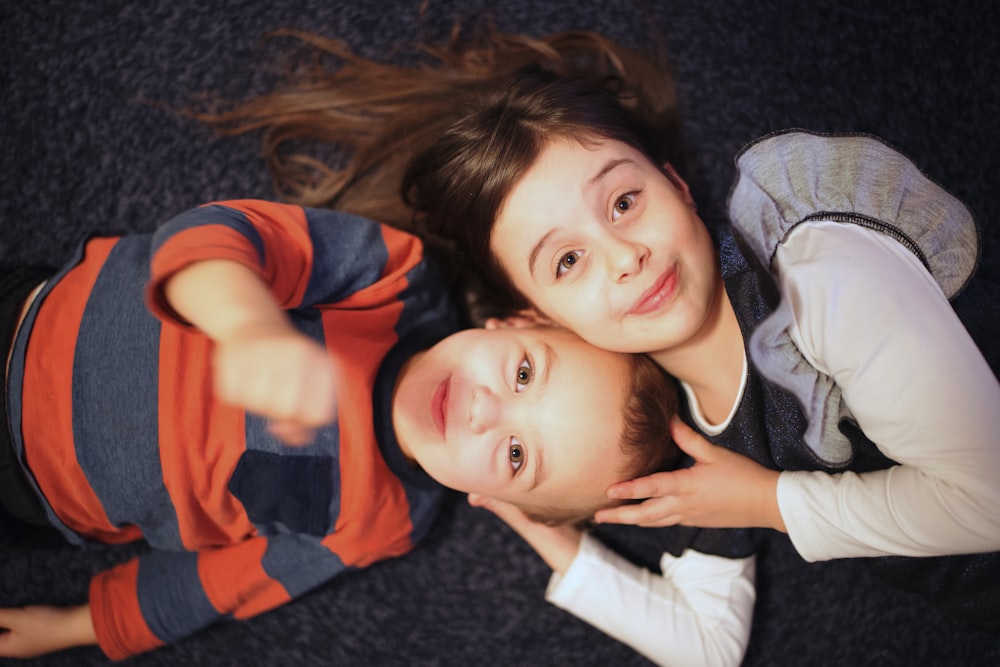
<point>32,631</point>
<point>722,489</point>
<point>282,375</point>
<point>557,545</point>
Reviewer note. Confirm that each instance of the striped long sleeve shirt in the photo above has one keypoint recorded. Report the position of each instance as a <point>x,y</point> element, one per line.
<point>113,416</point>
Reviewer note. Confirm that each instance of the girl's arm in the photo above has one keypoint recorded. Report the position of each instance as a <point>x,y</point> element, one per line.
<point>697,612</point>
<point>870,316</point>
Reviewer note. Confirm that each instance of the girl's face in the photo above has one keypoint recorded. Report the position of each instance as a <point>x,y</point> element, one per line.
<point>608,245</point>
<point>531,415</point>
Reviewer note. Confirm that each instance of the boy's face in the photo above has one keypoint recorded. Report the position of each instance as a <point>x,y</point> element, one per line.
<point>531,416</point>
<point>608,245</point>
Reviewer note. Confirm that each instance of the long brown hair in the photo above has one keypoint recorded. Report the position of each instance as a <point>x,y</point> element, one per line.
<point>379,115</point>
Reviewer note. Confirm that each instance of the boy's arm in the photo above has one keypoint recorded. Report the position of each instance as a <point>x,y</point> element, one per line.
<point>36,630</point>
<point>260,259</point>
<point>165,596</point>
<point>261,362</point>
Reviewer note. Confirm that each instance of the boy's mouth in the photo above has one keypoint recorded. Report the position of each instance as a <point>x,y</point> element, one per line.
<point>439,405</point>
<point>657,295</point>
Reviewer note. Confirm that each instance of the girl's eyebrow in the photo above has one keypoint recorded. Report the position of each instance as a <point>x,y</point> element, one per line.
<point>608,167</point>
<point>533,257</point>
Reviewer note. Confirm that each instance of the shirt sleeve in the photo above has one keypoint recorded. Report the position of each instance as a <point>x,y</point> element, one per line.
<point>165,596</point>
<point>698,612</point>
<point>869,315</point>
<point>305,256</point>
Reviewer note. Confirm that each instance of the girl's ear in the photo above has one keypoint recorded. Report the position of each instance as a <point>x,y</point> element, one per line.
<point>678,182</point>
<point>524,319</point>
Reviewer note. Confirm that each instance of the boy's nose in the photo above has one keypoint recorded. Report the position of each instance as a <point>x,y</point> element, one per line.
<point>484,410</point>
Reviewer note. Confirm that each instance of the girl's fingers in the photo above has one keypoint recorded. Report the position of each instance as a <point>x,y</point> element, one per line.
<point>653,512</point>
<point>690,441</point>
<point>650,486</point>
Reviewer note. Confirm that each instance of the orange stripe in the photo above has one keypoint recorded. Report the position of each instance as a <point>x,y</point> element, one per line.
<point>366,525</point>
<point>369,529</point>
<point>47,410</point>
<point>197,477</point>
<point>289,257</point>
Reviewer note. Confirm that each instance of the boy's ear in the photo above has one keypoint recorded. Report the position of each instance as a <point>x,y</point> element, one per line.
<point>678,182</point>
<point>524,319</point>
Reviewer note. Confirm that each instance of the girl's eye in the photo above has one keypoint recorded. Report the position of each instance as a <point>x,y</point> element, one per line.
<point>622,206</point>
<point>567,262</point>
<point>524,375</point>
<point>516,454</point>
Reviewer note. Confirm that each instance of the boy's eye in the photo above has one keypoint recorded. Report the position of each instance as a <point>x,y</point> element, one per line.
<point>516,454</point>
<point>622,206</point>
<point>524,374</point>
<point>567,262</point>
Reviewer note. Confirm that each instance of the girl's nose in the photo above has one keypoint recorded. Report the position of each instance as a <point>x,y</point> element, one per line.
<point>624,258</point>
<point>484,410</point>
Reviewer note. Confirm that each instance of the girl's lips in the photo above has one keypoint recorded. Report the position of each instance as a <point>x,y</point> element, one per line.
<point>439,405</point>
<point>657,295</point>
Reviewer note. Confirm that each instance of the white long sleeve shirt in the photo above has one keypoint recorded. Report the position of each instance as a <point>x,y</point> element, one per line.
<point>698,612</point>
<point>870,316</point>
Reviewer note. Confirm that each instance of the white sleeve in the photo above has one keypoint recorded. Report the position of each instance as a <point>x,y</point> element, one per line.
<point>870,316</point>
<point>697,613</point>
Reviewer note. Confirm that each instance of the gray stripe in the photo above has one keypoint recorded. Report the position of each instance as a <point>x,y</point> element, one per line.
<point>171,597</point>
<point>115,395</point>
<point>300,562</point>
<point>349,255</point>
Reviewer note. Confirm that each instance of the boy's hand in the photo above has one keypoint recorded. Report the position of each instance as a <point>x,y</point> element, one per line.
<point>557,545</point>
<point>282,375</point>
<point>36,630</point>
<point>262,363</point>
<point>722,489</point>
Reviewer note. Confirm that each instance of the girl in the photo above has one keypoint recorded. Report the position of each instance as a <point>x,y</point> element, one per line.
<point>859,365</point>
<point>840,364</point>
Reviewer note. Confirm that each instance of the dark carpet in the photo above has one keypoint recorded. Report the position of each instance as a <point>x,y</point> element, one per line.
<point>88,145</point>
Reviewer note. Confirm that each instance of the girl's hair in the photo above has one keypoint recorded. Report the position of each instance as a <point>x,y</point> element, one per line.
<point>645,438</point>
<point>435,146</point>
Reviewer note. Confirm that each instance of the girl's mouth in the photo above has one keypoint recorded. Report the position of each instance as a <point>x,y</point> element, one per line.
<point>657,295</point>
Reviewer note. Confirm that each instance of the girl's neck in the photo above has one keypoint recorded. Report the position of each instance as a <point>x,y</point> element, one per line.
<point>711,361</point>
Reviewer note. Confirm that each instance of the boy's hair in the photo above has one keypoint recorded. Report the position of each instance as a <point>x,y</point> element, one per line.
<point>650,404</point>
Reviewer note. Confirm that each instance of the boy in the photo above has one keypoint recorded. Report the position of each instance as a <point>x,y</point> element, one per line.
<point>317,328</point>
